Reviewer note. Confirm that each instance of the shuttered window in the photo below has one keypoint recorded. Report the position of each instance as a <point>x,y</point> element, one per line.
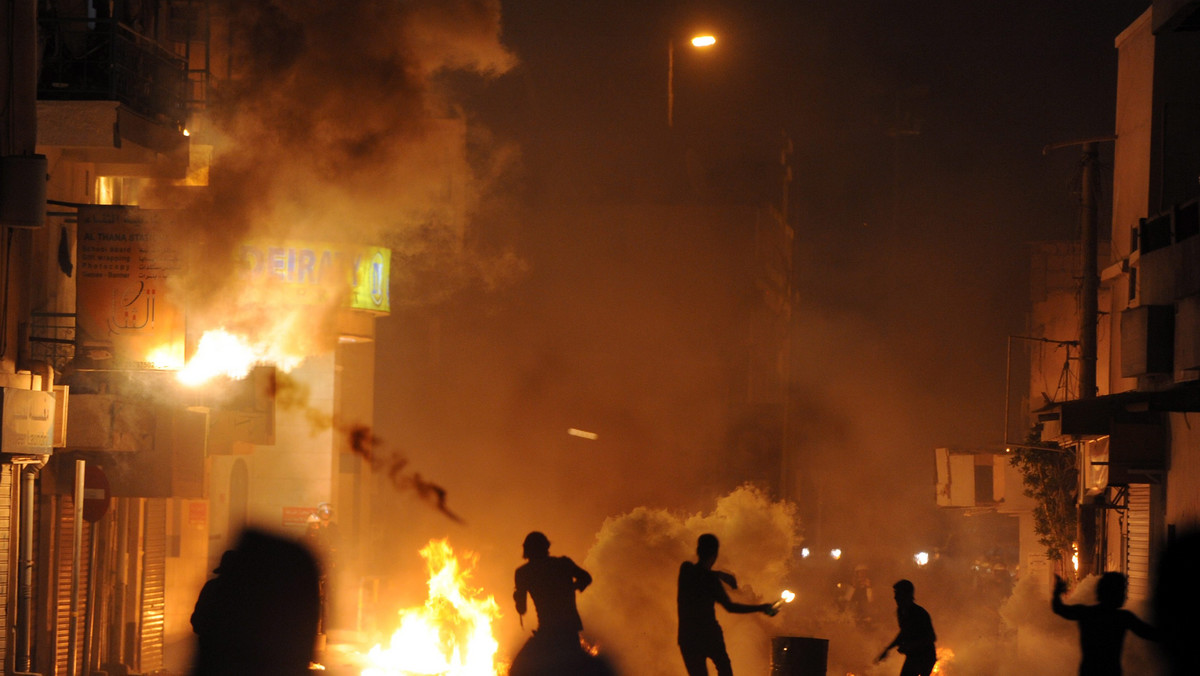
<point>1137,541</point>
<point>6,552</point>
<point>64,553</point>
<point>154,586</point>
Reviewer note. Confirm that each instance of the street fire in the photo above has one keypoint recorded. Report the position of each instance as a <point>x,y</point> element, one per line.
<point>944,657</point>
<point>221,353</point>
<point>450,635</point>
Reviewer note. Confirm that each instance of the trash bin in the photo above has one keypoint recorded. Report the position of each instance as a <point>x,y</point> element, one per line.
<point>799,656</point>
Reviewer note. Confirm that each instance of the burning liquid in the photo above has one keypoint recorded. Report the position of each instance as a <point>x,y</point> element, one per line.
<point>450,635</point>
<point>221,353</point>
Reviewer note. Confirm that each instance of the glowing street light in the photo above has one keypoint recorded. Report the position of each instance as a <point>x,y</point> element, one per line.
<point>699,41</point>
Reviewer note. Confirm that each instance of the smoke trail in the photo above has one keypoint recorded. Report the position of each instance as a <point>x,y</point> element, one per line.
<point>293,395</point>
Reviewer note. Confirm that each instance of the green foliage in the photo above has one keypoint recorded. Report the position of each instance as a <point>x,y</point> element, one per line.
<point>1052,480</point>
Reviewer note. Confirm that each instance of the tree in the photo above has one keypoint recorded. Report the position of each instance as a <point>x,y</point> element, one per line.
<point>1051,478</point>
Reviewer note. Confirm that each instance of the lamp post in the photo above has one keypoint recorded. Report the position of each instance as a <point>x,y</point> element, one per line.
<point>699,41</point>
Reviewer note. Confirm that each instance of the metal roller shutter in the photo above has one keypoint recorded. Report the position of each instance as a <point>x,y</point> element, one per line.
<point>1137,541</point>
<point>6,553</point>
<point>154,586</point>
<point>62,613</point>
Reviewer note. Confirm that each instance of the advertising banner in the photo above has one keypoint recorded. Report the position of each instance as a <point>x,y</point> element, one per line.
<point>127,318</point>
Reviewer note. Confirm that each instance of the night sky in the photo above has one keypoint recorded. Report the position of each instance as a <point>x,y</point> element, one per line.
<point>920,179</point>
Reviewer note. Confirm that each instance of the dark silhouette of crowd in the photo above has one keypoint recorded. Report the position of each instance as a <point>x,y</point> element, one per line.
<point>259,615</point>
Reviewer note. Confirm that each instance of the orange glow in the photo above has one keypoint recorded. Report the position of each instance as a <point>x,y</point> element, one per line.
<point>221,353</point>
<point>450,634</point>
<point>165,358</point>
<point>704,41</point>
<point>944,657</point>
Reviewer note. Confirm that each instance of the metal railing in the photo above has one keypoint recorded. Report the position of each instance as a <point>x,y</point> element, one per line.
<point>52,338</point>
<point>103,59</point>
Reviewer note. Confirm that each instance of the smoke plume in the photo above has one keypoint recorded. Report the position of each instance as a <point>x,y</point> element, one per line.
<point>630,609</point>
<point>338,122</point>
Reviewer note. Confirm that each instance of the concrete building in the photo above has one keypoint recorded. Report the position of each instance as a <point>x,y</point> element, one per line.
<point>1136,445</point>
<point>119,487</point>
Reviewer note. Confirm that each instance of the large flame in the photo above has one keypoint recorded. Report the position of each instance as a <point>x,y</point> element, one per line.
<point>221,353</point>
<point>450,635</point>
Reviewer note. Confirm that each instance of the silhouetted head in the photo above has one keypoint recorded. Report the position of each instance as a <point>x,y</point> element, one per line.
<point>228,559</point>
<point>1110,590</point>
<point>270,610</point>
<point>536,545</point>
<point>707,547</point>
<point>904,591</point>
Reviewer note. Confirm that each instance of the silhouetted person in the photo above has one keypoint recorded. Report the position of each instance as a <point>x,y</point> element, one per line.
<point>207,624</point>
<point>1176,604</point>
<point>321,534</point>
<point>700,589</point>
<point>1102,627</point>
<point>859,597</point>
<point>266,606</point>
<point>552,582</point>
<point>916,637</point>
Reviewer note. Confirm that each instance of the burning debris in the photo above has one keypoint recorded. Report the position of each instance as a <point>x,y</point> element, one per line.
<point>451,634</point>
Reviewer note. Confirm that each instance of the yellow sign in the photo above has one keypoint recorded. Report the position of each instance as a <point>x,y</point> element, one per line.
<point>320,273</point>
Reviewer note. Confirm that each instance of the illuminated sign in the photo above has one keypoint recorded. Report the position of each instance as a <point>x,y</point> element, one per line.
<point>320,273</point>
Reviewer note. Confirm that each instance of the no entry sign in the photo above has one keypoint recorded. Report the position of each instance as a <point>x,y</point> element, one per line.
<point>95,494</point>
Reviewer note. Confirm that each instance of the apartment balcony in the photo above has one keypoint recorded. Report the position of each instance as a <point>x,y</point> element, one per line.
<point>111,95</point>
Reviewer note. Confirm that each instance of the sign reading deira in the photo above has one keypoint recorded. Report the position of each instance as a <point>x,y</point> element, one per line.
<point>320,273</point>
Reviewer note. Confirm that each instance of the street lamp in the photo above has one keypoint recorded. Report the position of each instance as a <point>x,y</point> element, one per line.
<point>699,41</point>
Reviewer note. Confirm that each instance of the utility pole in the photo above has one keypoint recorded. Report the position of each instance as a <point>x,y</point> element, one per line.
<point>787,469</point>
<point>1088,318</point>
<point>1090,284</point>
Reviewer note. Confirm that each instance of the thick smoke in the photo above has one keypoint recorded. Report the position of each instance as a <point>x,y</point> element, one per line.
<point>338,122</point>
<point>630,609</point>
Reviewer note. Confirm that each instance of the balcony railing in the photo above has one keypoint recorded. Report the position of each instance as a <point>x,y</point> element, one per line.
<point>52,338</point>
<point>103,59</point>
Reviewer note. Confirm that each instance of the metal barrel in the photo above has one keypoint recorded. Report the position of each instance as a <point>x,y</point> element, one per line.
<point>798,656</point>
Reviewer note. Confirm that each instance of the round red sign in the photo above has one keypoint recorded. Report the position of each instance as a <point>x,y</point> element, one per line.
<point>95,494</point>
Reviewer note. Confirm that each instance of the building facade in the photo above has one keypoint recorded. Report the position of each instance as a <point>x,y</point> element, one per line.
<point>120,487</point>
<point>1135,445</point>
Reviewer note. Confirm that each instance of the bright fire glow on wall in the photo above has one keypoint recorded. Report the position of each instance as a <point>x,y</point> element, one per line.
<point>221,353</point>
